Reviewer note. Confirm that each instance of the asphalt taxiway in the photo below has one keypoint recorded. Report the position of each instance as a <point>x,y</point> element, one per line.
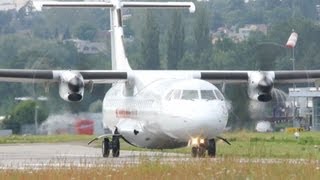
<point>40,155</point>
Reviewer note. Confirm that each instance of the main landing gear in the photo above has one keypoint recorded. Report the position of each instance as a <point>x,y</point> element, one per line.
<point>113,145</point>
<point>200,146</point>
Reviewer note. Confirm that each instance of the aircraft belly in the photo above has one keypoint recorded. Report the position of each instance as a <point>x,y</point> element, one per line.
<point>145,138</point>
<point>146,132</point>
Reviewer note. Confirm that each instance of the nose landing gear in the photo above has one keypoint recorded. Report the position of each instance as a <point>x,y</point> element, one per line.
<point>113,145</point>
<point>105,147</point>
<point>211,148</point>
<point>200,146</point>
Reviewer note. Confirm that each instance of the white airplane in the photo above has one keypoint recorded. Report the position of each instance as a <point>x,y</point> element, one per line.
<point>157,108</point>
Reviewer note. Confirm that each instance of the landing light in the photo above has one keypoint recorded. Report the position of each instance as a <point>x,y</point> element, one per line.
<point>194,141</point>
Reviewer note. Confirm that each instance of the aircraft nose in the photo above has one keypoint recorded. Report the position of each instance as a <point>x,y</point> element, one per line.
<point>203,115</point>
<point>202,118</point>
<point>208,115</point>
<point>206,121</point>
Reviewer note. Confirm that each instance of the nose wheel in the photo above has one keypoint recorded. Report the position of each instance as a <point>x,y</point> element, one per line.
<point>211,148</point>
<point>105,147</point>
<point>113,145</point>
<point>200,149</point>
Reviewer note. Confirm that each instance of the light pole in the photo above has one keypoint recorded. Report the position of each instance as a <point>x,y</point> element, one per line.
<point>291,43</point>
<point>36,107</point>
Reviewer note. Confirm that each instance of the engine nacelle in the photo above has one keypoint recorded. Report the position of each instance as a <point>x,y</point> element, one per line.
<point>260,85</point>
<point>71,86</point>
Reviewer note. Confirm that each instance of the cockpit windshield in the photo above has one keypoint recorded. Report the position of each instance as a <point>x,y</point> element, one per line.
<point>174,94</point>
<point>207,95</point>
<point>190,95</point>
<point>219,95</point>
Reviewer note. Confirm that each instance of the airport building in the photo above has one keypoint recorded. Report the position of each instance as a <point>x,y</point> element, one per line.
<point>305,103</point>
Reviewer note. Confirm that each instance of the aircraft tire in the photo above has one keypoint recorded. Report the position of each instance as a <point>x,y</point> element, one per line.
<point>105,147</point>
<point>211,148</point>
<point>115,146</point>
<point>201,151</point>
<point>194,151</point>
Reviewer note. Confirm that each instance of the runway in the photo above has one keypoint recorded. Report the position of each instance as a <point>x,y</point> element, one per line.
<point>23,156</point>
<point>62,155</point>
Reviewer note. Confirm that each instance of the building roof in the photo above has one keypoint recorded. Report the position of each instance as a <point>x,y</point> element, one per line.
<point>304,92</point>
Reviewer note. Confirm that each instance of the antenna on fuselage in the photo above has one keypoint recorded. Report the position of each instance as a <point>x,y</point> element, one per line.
<point>118,56</point>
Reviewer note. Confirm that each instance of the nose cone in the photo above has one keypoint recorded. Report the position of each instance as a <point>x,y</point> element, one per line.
<point>203,118</point>
<point>209,117</point>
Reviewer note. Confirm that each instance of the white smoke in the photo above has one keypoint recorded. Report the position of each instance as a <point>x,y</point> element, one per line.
<point>258,110</point>
<point>64,123</point>
<point>264,126</point>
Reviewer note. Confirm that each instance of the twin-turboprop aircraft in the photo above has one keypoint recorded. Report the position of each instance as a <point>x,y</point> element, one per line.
<point>156,108</point>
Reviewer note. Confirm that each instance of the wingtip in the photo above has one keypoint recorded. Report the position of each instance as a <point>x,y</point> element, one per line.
<point>37,5</point>
<point>192,8</point>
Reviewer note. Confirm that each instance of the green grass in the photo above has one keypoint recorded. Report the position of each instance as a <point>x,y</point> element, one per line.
<point>229,168</point>
<point>266,145</point>
<point>272,145</point>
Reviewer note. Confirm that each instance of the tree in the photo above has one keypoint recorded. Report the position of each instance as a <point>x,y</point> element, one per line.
<point>66,34</point>
<point>216,21</point>
<point>5,19</point>
<point>85,31</point>
<point>96,106</point>
<point>24,113</point>
<point>150,42</point>
<point>201,32</point>
<point>175,41</point>
<point>236,4</point>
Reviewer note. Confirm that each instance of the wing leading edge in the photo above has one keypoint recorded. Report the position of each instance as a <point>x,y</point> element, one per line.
<point>297,76</point>
<point>110,76</point>
<point>41,76</point>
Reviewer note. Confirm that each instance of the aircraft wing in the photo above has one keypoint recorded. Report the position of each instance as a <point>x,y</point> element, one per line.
<point>261,83</point>
<point>72,82</point>
<point>301,76</point>
<point>56,4</point>
<point>297,76</point>
<point>110,76</point>
<point>51,76</point>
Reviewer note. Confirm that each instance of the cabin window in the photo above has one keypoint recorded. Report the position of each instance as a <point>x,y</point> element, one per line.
<point>219,95</point>
<point>190,95</point>
<point>207,95</point>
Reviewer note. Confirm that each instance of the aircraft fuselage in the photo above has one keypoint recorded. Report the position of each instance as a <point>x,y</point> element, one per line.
<point>165,113</point>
